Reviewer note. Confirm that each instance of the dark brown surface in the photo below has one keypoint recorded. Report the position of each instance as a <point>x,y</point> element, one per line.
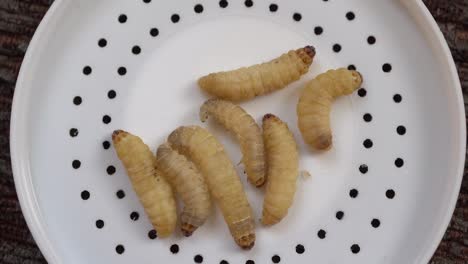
<point>18,21</point>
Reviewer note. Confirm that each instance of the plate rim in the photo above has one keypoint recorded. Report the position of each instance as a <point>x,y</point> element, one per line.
<point>18,137</point>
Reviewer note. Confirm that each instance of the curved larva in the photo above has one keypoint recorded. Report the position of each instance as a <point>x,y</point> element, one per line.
<point>152,189</point>
<point>283,163</point>
<point>247,132</point>
<point>187,181</point>
<point>313,109</point>
<point>209,156</point>
<point>247,83</point>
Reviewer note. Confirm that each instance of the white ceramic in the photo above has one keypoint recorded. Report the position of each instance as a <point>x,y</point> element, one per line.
<point>158,92</point>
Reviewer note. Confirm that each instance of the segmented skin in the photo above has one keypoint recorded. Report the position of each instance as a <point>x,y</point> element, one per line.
<point>152,189</point>
<point>189,184</point>
<point>283,163</point>
<point>247,132</point>
<point>313,109</point>
<point>209,156</point>
<point>247,83</point>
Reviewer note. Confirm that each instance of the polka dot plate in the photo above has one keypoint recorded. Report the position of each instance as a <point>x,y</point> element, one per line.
<point>383,194</point>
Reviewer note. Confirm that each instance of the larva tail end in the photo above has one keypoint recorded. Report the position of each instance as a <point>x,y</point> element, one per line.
<point>117,135</point>
<point>246,242</point>
<point>187,229</point>
<point>323,142</point>
<point>268,219</point>
<point>163,233</point>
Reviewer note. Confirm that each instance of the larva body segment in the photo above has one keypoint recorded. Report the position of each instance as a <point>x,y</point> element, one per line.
<point>313,109</point>
<point>249,82</point>
<point>209,156</point>
<point>283,162</point>
<point>152,189</point>
<point>188,182</point>
<point>247,132</point>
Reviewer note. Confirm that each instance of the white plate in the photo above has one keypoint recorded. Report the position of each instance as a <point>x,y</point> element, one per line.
<point>158,92</point>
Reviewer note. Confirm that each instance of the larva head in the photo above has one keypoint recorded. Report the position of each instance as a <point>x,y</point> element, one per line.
<point>306,54</point>
<point>205,109</point>
<point>246,242</point>
<point>187,229</point>
<point>118,135</point>
<point>357,78</point>
<point>323,142</point>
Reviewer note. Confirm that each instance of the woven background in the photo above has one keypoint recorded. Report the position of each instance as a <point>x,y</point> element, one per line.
<point>18,21</point>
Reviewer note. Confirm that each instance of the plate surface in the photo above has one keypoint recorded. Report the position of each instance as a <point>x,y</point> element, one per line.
<point>95,66</point>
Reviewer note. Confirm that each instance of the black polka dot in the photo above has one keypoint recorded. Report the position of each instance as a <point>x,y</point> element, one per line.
<point>198,259</point>
<point>87,70</point>
<point>362,92</point>
<point>74,132</point>
<point>353,193</point>
<point>387,67</point>
<point>111,94</point>
<point>276,259</point>
<point>339,215</point>
<point>367,117</point>
<point>134,216</point>
<point>355,248</point>
<point>99,224</point>
<point>175,18</point>
<point>146,1</point>
<point>110,170</point>
<point>174,249</point>
<point>223,3</point>
<point>250,262</point>
<point>120,194</point>
<point>399,162</point>
<point>102,43</point>
<point>154,32</point>
<point>318,30</point>
<point>321,234</point>
<point>248,3</point>
<point>397,98</point>
<point>76,164</point>
<point>122,71</point>
<point>375,223</point>
<point>77,100</point>
<point>350,16</point>
<point>300,249</point>
<point>85,195</point>
<point>390,194</point>
<point>351,67</point>
<point>368,143</point>
<point>123,18</point>
<point>198,8</point>
<point>337,48</point>
<point>297,17</point>
<point>401,130</point>
<point>152,234</point>
<point>363,168</point>
<point>136,50</point>
<point>106,144</point>
<point>106,119</point>
<point>223,262</point>
<point>119,249</point>
<point>273,7</point>
<point>371,40</point>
